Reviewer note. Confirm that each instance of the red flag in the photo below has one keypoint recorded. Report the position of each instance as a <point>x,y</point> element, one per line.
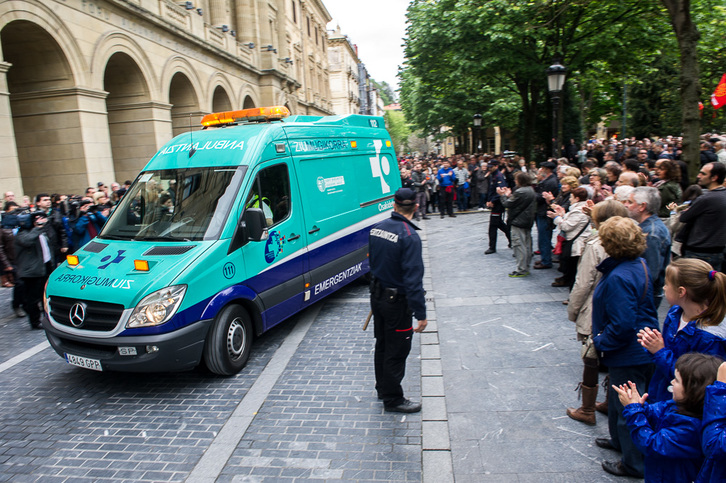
<point>718,98</point>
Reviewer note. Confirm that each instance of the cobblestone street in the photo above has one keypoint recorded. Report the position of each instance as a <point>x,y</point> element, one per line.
<point>495,369</point>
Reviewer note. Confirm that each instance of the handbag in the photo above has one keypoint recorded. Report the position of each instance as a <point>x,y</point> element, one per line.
<point>588,349</point>
<point>567,244</point>
<point>558,246</point>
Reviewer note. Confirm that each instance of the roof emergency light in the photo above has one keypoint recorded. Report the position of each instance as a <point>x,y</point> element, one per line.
<point>256,114</point>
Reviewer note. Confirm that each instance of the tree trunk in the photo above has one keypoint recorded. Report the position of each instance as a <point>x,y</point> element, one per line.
<point>529,117</point>
<point>688,35</point>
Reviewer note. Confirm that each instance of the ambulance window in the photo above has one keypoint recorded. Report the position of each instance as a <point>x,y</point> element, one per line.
<point>184,204</point>
<point>271,192</point>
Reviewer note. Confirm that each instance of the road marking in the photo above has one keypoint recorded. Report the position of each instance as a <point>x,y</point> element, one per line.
<point>486,321</point>
<point>515,330</point>
<point>25,355</point>
<point>215,458</point>
<point>542,347</point>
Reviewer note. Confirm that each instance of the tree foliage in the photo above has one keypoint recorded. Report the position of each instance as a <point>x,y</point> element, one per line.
<point>468,56</point>
<point>398,129</point>
<point>385,91</point>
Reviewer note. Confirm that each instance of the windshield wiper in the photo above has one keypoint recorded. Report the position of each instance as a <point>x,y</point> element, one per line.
<point>161,238</point>
<point>115,237</point>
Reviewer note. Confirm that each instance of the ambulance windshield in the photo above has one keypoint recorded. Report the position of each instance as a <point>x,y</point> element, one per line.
<point>189,204</point>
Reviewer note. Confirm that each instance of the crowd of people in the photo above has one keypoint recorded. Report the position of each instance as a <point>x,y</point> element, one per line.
<point>38,233</point>
<point>631,230</point>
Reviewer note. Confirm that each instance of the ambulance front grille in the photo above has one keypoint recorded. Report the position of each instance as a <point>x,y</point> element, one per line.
<point>97,316</point>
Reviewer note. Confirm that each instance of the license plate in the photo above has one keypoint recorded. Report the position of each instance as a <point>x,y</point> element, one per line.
<point>84,362</point>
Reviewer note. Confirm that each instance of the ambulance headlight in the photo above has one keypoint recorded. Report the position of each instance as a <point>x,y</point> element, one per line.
<point>157,308</point>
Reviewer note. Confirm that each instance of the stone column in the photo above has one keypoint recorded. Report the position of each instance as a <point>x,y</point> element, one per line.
<point>219,12</point>
<point>138,130</point>
<point>63,139</point>
<point>247,26</point>
<point>9,168</point>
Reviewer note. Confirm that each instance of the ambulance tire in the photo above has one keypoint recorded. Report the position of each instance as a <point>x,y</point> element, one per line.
<point>228,343</point>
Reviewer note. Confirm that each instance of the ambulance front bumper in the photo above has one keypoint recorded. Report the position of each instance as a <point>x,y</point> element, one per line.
<point>180,350</point>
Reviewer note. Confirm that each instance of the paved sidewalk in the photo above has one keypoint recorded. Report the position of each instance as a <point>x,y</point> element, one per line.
<point>510,364</point>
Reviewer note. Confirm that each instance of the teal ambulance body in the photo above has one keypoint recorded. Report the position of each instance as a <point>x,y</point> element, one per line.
<point>225,233</point>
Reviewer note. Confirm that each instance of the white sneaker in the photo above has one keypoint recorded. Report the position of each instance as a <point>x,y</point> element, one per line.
<point>480,209</point>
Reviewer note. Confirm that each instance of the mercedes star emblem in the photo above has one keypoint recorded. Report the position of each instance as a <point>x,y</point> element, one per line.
<point>77,314</point>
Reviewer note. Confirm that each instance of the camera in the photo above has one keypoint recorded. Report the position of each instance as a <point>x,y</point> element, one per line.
<point>26,220</point>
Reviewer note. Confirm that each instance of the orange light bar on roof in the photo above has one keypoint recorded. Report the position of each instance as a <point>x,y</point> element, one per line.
<point>255,114</point>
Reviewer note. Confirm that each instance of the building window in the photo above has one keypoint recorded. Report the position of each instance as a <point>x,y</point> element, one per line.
<point>308,22</point>
<point>316,36</point>
<point>294,11</point>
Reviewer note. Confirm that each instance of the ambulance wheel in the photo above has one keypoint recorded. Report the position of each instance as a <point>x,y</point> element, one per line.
<point>228,343</point>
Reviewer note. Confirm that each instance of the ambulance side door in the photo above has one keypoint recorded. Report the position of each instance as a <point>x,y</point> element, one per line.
<point>275,266</point>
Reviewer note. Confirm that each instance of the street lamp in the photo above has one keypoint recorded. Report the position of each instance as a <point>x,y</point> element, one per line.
<point>477,133</point>
<point>555,80</point>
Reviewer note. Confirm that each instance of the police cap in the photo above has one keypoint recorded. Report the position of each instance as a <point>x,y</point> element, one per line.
<point>405,197</point>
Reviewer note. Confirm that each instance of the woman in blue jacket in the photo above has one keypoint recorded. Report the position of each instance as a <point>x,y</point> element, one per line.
<point>697,294</point>
<point>713,439</point>
<point>622,305</point>
<point>669,432</point>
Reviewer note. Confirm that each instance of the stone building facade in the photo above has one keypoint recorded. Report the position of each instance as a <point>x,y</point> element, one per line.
<point>344,74</point>
<point>90,89</point>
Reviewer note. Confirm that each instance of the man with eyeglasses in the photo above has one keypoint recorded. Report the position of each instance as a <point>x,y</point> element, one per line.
<point>642,156</point>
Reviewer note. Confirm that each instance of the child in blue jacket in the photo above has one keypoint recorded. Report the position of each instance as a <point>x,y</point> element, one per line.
<point>668,433</point>
<point>697,294</point>
<point>713,439</point>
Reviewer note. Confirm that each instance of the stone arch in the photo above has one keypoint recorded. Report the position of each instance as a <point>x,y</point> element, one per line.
<point>248,103</point>
<point>131,115</point>
<point>186,113</point>
<point>42,151</point>
<point>118,42</point>
<point>221,97</point>
<point>45,18</point>
<point>220,100</point>
<point>182,86</point>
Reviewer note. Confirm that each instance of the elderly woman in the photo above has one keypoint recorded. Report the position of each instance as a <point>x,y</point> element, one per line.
<point>567,184</point>
<point>573,226</point>
<point>613,171</point>
<point>579,310</point>
<point>669,186</point>
<point>622,304</point>
<point>600,190</point>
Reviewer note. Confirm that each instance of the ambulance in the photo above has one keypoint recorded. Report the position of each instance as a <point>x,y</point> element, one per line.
<point>227,231</point>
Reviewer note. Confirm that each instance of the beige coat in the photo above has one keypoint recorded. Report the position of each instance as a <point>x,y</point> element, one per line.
<point>571,224</point>
<point>579,310</point>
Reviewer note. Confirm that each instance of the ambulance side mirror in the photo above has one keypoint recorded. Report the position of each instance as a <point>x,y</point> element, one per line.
<point>255,225</point>
<point>252,227</point>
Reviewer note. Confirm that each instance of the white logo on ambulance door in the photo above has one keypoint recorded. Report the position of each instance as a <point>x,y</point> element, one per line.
<point>380,166</point>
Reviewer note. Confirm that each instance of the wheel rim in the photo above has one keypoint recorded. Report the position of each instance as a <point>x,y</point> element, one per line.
<point>236,339</point>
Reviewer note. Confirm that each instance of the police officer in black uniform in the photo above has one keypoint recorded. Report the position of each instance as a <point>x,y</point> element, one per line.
<point>396,294</point>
